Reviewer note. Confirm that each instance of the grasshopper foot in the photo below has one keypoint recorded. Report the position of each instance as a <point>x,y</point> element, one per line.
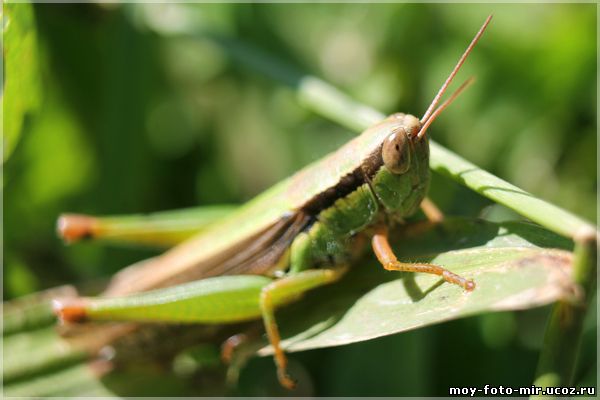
<point>285,380</point>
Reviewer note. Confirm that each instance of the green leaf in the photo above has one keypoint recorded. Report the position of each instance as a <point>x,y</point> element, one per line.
<point>83,379</point>
<point>37,352</point>
<point>511,269</point>
<point>21,91</point>
<point>75,380</point>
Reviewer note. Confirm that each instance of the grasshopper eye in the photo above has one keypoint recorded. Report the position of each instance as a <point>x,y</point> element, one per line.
<point>396,152</point>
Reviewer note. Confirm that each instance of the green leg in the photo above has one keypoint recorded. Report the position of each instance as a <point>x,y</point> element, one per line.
<point>281,292</point>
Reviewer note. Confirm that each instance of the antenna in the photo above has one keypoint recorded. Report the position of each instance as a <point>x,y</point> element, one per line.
<point>443,106</point>
<point>437,97</point>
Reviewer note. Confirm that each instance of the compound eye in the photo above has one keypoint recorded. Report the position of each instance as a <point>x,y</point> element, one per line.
<point>396,152</point>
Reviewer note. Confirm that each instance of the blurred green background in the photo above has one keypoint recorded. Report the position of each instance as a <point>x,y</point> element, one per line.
<point>109,109</point>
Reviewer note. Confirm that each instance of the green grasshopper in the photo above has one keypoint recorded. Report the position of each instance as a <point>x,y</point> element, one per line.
<point>300,234</point>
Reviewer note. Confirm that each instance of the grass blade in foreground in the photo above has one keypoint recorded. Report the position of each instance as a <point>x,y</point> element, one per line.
<point>562,341</point>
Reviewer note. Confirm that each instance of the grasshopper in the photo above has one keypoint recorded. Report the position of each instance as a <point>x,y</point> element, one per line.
<point>300,234</point>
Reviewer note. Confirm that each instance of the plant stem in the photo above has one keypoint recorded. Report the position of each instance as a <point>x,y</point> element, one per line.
<point>562,340</point>
<point>331,103</point>
<point>548,215</point>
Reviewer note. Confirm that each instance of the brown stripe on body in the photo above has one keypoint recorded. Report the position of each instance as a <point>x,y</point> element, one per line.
<point>319,184</point>
<point>346,185</point>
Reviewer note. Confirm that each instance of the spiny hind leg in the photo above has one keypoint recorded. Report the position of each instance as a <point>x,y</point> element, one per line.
<point>387,258</point>
<point>281,292</point>
<point>431,211</point>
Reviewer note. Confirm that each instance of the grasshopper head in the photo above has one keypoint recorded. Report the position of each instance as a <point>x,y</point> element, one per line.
<point>402,184</point>
<point>401,181</point>
<point>397,148</point>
